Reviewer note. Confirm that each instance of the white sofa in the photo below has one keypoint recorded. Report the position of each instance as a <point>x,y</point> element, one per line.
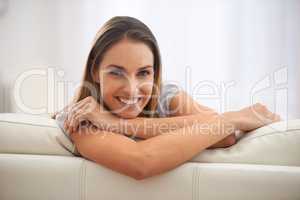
<point>37,162</point>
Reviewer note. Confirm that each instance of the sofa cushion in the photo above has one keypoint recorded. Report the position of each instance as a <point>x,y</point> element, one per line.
<point>275,144</point>
<point>30,134</point>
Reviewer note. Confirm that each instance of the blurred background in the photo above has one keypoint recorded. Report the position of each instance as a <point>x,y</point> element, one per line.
<point>226,54</point>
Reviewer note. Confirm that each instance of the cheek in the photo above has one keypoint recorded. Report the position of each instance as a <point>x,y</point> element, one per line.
<point>108,87</point>
<point>146,89</point>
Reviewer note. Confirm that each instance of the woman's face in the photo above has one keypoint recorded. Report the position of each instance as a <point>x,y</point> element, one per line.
<point>126,77</point>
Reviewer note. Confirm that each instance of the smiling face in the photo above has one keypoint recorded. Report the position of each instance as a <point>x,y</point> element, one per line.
<point>126,77</point>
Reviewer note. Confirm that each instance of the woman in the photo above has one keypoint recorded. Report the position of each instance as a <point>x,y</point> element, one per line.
<point>123,117</point>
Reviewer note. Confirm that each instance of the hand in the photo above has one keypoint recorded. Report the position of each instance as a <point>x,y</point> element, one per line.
<point>226,142</point>
<point>53,116</point>
<point>254,117</point>
<point>87,110</point>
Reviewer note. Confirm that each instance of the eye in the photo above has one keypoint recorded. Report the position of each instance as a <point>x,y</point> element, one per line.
<point>144,73</point>
<point>116,72</point>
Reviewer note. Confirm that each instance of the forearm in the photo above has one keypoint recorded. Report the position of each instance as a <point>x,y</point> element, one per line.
<point>152,156</point>
<point>150,127</point>
<point>173,148</point>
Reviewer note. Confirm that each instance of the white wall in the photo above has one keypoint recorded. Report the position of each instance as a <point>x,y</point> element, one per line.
<point>237,43</point>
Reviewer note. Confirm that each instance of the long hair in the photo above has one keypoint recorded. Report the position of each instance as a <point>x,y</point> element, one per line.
<point>110,33</point>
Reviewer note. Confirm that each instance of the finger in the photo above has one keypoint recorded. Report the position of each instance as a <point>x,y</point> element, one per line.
<point>264,120</point>
<point>77,117</point>
<point>73,119</point>
<point>265,115</point>
<point>279,118</point>
<point>66,124</point>
<point>78,104</point>
<point>66,128</point>
<point>87,108</point>
<point>75,109</point>
<point>260,117</point>
<point>78,122</point>
<point>273,117</point>
<point>276,118</point>
<point>80,116</point>
<point>269,117</point>
<point>67,107</point>
<point>255,109</point>
<point>72,109</point>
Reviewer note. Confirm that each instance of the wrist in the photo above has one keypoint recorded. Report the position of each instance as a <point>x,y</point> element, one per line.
<point>102,121</point>
<point>114,124</point>
<point>233,118</point>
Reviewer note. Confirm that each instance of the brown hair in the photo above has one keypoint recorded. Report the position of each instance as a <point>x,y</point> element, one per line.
<point>110,33</point>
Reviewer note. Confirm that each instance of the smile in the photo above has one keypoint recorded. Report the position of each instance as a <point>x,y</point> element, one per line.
<point>131,101</point>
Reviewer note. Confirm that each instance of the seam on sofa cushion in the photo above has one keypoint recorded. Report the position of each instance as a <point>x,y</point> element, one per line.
<point>79,181</point>
<point>85,181</point>
<point>195,183</point>
<point>82,181</point>
<point>31,124</point>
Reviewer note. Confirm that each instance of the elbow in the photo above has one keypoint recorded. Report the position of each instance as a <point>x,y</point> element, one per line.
<point>141,172</point>
<point>141,168</point>
<point>139,175</point>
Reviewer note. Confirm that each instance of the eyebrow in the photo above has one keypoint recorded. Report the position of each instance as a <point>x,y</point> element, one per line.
<point>123,68</point>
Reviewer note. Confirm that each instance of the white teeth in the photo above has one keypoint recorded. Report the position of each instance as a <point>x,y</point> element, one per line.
<point>129,101</point>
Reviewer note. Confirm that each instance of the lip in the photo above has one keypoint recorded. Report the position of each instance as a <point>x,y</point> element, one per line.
<point>139,98</point>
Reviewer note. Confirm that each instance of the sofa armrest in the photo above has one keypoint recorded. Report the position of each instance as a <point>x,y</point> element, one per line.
<point>30,134</point>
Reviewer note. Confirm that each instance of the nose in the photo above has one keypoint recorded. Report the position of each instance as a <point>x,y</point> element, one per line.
<point>131,87</point>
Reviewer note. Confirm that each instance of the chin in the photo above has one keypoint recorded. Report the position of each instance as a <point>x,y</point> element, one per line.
<point>128,115</point>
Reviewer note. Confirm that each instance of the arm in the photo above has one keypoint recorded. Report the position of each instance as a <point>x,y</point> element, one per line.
<point>90,110</point>
<point>184,112</point>
<point>246,119</point>
<point>184,104</point>
<point>152,156</point>
<point>143,127</point>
